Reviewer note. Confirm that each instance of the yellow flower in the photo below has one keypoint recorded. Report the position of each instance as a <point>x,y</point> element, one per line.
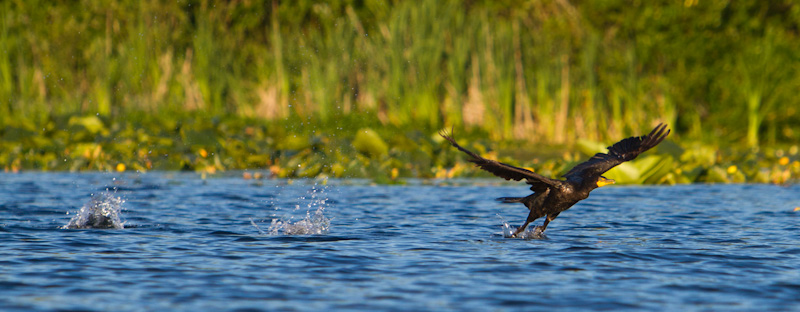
<point>784,161</point>
<point>203,153</point>
<point>120,167</point>
<point>732,169</point>
<point>395,173</point>
<point>440,173</point>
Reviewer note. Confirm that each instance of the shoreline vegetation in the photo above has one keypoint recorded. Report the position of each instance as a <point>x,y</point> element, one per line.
<point>359,89</point>
<point>386,155</point>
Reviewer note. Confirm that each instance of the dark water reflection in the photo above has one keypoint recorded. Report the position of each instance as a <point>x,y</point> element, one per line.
<point>190,244</point>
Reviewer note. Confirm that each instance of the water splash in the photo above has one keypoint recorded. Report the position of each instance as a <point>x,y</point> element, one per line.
<point>531,232</point>
<point>313,223</point>
<point>101,212</point>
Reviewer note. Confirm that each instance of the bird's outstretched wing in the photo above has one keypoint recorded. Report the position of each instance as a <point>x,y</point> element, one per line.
<point>618,153</point>
<point>538,182</point>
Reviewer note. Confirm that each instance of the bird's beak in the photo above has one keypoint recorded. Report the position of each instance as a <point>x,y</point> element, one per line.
<point>603,182</point>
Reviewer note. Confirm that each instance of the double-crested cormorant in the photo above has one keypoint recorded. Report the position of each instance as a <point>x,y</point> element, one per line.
<point>550,196</point>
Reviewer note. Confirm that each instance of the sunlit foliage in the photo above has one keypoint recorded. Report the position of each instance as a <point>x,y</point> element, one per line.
<point>90,85</point>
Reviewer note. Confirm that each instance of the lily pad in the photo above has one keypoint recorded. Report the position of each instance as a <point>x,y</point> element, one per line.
<point>93,124</point>
<point>368,141</point>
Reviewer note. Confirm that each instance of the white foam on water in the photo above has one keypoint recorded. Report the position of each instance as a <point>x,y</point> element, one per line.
<point>101,212</point>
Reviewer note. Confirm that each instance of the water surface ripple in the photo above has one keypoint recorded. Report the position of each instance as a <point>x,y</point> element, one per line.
<point>191,244</point>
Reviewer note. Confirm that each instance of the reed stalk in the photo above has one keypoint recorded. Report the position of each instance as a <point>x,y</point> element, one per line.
<point>545,71</point>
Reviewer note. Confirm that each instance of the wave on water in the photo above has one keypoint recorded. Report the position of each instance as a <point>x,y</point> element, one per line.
<point>313,223</point>
<point>101,212</point>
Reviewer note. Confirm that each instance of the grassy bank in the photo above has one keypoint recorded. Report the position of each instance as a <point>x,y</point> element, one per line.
<point>721,73</point>
<point>315,149</point>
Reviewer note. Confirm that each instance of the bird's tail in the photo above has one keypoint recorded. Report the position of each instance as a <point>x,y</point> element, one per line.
<point>511,199</point>
<point>528,201</point>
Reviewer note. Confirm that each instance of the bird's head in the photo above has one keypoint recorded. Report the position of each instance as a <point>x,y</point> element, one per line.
<point>603,181</point>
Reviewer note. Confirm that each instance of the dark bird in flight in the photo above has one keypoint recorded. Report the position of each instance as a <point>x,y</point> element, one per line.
<point>550,196</point>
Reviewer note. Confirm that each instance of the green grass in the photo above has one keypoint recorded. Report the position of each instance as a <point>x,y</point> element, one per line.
<point>720,73</point>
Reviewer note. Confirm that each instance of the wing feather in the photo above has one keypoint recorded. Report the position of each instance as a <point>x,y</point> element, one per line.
<point>538,182</point>
<point>620,152</point>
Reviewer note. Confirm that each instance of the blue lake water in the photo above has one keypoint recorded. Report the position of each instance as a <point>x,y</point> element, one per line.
<point>190,244</point>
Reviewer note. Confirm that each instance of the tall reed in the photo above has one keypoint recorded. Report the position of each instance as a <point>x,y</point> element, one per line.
<point>546,71</point>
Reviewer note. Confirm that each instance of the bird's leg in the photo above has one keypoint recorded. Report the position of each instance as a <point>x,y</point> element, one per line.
<point>547,220</point>
<point>544,226</point>
<point>521,228</point>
